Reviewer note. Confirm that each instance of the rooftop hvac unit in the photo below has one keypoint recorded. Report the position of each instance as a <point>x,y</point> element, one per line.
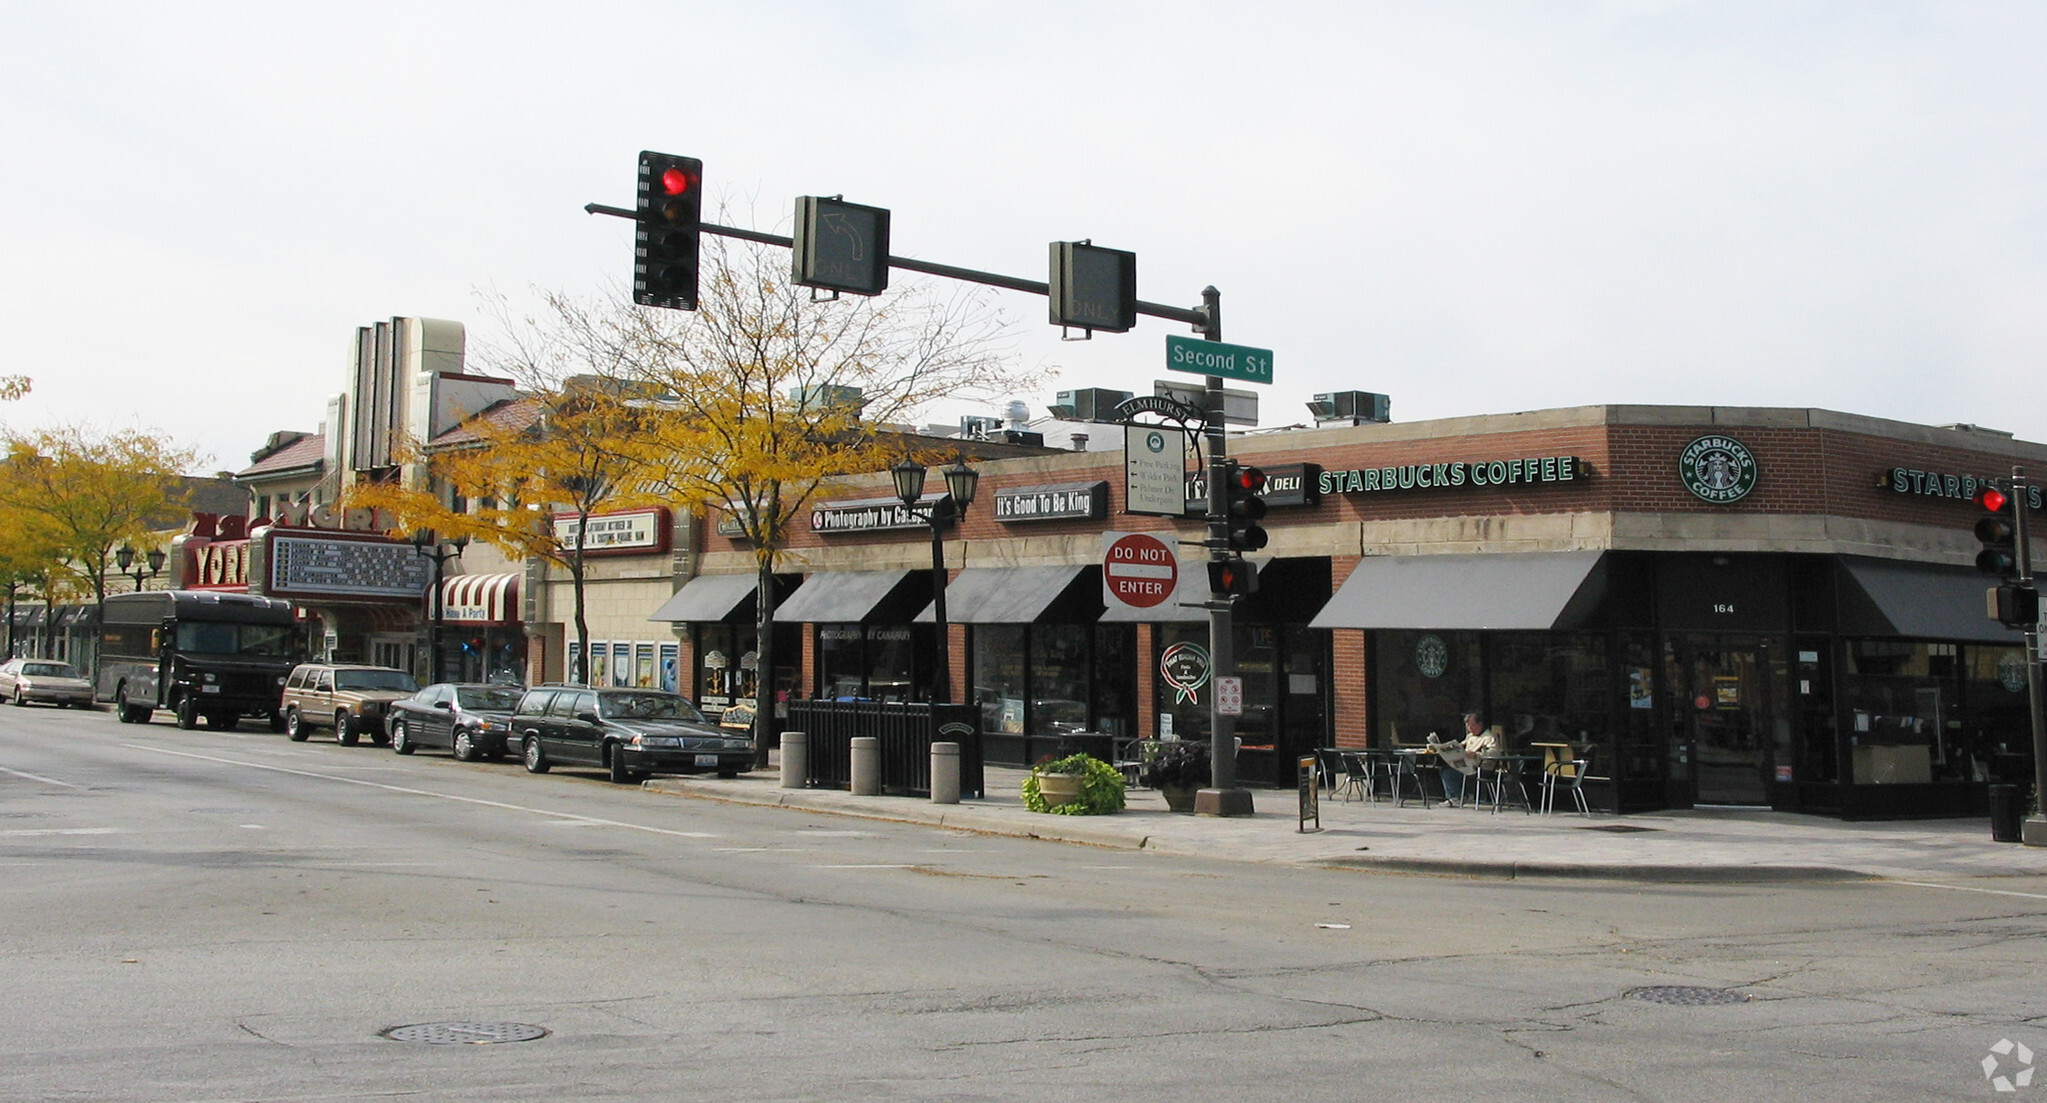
<point>1355,407</point>
<point>1089,404</point>
<point>975,427</point>
<point>1023,436</point>
<point>824,396</point>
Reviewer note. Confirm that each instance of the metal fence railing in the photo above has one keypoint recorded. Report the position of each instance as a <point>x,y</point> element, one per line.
<point>906,731</point>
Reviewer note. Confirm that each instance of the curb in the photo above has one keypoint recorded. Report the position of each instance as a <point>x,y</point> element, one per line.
<point>951,817</point>
<point>1661,873</point>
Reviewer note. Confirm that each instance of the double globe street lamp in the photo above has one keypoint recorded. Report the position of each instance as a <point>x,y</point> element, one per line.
<point>427,544</point>
<point>124,557</point>
<point>960,481</point>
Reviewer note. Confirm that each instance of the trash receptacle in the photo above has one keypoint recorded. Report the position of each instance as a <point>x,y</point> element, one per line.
<point>2006,814</point>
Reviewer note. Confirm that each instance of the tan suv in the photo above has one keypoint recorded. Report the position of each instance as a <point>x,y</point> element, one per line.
<point>351,699</point>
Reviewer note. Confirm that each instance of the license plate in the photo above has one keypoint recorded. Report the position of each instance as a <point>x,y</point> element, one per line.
<point>707,760</point>
<point>209,689</point>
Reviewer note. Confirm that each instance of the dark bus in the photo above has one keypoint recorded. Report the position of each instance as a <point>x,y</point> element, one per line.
<point>220,656</point>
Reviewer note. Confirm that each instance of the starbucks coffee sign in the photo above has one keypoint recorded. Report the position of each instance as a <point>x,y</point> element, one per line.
<point>1717,469</point>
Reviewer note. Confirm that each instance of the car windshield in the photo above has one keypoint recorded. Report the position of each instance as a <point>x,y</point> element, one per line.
<point>204,638</point>
<point>646,706</point>
<point>490,698</point>
<point>375,679</point>
<point>48,670</point>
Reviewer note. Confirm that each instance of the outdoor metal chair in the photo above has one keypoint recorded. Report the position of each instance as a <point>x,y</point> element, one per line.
<point>1358,776</point>
<point>1570,777</point>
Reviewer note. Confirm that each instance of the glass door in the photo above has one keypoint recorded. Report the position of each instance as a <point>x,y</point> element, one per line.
<point>1725,715</point>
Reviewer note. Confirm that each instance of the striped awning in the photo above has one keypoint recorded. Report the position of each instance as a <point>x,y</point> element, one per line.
<point>480,599</point>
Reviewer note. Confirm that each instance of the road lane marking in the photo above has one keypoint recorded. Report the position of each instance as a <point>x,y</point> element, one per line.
<point>867,865</point>
<point>1971,888</point>
<point>39,777</point>
<point>567,817</point>
<point>25,832</point>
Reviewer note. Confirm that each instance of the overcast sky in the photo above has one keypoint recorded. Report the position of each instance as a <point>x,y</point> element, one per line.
<point>1473,208</point>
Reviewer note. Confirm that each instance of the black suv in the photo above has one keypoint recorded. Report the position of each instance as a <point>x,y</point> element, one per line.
<point>628,732</point>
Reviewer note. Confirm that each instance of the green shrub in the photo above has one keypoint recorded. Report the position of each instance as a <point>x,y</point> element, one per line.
<point>1101,787</point>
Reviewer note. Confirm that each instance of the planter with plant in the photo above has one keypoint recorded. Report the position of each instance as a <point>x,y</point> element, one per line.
<point>1177,769</point>
<point>1077,785</point>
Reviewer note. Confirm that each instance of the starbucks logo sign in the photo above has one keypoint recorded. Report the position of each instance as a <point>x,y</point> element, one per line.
<point>1718,469</point>
<point>2011,673</point>
<point>1431,656</point>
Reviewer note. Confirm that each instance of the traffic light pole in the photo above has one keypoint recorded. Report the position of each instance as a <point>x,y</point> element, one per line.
<point>1223,797</point>
<point>2035,831</point>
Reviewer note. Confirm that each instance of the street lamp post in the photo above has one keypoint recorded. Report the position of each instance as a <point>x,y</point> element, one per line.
<point>960,481</point>
<point>124,557</point>
<point>427,544</point>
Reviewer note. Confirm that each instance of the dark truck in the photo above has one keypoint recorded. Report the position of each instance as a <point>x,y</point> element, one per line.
<point>220,656</point>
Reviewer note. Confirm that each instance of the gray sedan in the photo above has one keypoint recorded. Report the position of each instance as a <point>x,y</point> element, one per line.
<point>45,680</point>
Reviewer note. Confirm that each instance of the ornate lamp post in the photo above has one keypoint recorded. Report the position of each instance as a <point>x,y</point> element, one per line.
<point>427,544</point>
<point>124,557</point>
<point>960,481</point>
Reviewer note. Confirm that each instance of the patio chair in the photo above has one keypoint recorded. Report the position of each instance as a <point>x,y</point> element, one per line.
<point>1570,777</point>
<point>1359,776</point>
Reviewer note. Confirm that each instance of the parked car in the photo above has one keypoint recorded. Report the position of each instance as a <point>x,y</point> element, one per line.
<point>469,719</point>
<point>45,680</point>
<point>350,699</point>
<point>627,732</point>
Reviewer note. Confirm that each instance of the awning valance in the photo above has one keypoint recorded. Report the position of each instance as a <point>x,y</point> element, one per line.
<point>1018,595</point>
<point>1883,597</point>
<point>709,597</point>
<point>837,597</point>
<point>480,599</point>
<point>1532,591</point>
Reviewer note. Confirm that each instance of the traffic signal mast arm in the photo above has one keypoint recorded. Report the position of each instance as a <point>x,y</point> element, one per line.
<point>1197,318</point>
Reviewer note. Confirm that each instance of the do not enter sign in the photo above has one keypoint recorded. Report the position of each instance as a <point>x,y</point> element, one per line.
<point>1138,569</point>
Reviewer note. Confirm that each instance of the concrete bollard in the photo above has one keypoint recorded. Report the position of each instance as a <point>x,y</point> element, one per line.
<point>945,773</point>
<point>866,766</point>
<point>795,760</point>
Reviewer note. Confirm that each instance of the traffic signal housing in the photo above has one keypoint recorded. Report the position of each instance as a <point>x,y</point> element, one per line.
<point>668,213</point>
<point>1998,531</point>
<point>1243,508</point>
<point>1232,576</point>
<point>2014,605</point>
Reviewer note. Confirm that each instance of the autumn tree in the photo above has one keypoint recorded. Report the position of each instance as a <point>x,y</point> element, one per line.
<point>90,490</point>
<point>503,477</point>
<point>761,394</point>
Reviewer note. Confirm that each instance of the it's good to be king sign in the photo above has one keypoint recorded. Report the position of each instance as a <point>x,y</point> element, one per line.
<point>1138,569</point>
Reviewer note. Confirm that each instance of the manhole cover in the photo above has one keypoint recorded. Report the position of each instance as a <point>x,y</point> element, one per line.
<point>465,1034</point>
<point>1685,995</point>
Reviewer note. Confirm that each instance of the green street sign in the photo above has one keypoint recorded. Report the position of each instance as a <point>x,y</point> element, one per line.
<point>1192,354</point>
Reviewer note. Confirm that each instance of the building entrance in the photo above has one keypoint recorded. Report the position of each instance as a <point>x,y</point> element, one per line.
<point>1728,716</point>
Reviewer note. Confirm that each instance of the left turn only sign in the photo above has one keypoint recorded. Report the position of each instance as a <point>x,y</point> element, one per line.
<point>1138,569</point>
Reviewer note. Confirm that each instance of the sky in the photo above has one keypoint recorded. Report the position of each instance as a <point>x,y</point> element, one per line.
<point>1470,207</point>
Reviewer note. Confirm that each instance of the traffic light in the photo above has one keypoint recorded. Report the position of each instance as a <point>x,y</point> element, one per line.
<point>2014,606</point>
<point>669,211</point>
<point>1232,576</point>
<point>1999,533</point>
<point>1243,508</point>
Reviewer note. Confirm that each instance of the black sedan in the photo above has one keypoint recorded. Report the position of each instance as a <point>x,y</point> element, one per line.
<point>469,720</point>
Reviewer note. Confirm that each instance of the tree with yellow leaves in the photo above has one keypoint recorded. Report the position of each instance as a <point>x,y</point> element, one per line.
<point>763,393</point>
<point>86,491</point>
<point>506,474</point>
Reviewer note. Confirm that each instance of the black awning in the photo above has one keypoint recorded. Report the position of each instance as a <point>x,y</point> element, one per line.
<point>838,597</point>
<point>1924,601</point>
<point>708,597</point>
<point>1021,595</point>
<point>1533,591</point>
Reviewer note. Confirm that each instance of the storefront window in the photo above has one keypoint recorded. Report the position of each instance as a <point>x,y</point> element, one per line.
<point>1549,687</point>
<point>1058,678</point>
<point>1181,671</point>
<point>1640,747</point>
<point>892,663</point>
<point>1996,731</point>
<point>1115,678</point>
<point>1903,701</point>
<point>1425,682</point>
<point>841,671</point>
<point>999,676</point>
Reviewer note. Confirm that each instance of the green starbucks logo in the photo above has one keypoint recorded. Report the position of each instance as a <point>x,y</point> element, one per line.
<point>1431,656</point>
<point>1718,469</point>
<point>2011,673</point>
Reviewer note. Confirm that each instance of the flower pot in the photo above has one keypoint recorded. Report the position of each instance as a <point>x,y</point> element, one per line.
<point>1058,789</point>
<point>1179,798</point>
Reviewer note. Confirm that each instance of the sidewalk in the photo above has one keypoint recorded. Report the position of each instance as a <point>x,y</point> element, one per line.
<point>1714,844</point>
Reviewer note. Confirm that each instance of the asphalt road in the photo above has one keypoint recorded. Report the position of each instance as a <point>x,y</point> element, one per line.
<point>231,916</point>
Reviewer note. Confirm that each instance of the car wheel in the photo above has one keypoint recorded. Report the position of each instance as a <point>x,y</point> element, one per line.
<point>295,726</point>
<point>465,746</point>
<point>19,700</point>
<point>344,729</point>
<point>276,721</point>
<point>535,758</point>
<point>616,769</point>
<point>188,712</point>
<point>401,740</point>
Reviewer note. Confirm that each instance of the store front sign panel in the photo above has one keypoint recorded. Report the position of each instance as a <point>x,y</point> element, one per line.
<point>1454,475</point>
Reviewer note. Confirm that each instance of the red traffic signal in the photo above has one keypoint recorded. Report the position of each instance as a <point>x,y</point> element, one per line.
<point>1232,576</point>
<point>668,213</point>
<point>1243,508</point>
<point>1998,533</point>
